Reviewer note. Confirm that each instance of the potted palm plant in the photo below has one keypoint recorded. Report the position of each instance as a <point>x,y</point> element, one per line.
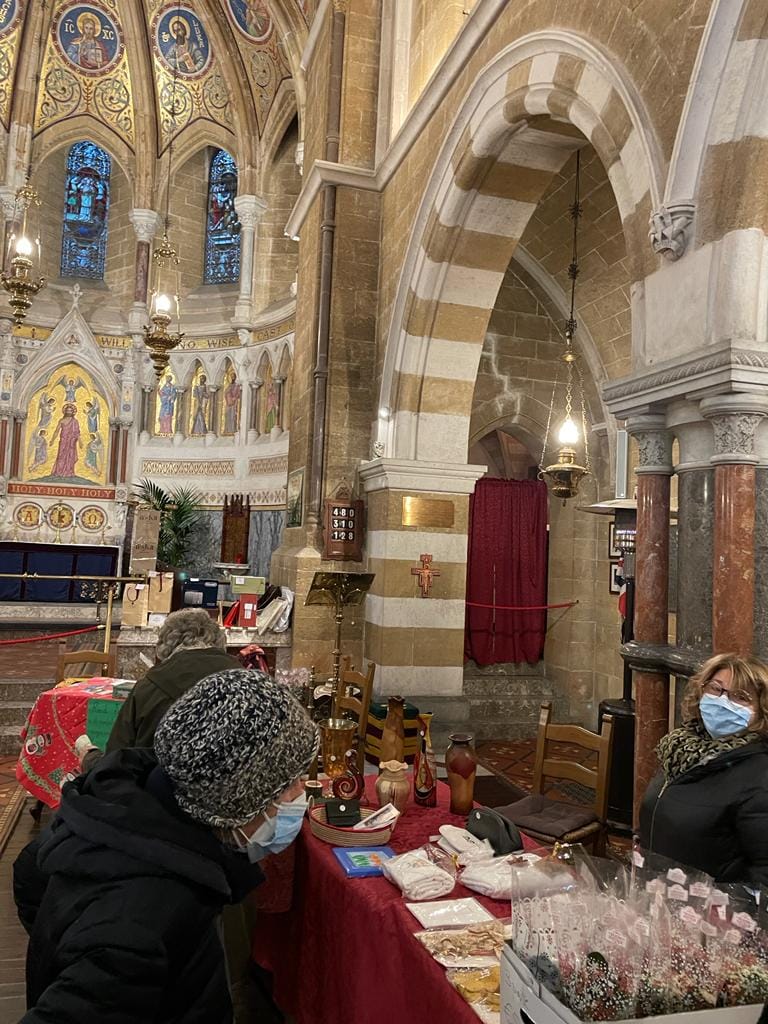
<point>180,512</point>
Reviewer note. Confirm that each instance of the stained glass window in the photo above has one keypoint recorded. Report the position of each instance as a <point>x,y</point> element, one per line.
<point>86,207</point>
<point>222,229</point>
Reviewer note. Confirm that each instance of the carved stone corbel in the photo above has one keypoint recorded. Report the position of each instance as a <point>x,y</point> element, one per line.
<point>669,230</point>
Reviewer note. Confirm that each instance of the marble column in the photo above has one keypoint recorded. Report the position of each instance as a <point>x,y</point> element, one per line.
<point>145,224</point>
<point>255,410</point>
<point>760,643</point>
<point>147,391</point>
<point>181,416</point>
<point>213,413</point>
<point>651,582</point>
<point>735,421</point>
<point>114,449</point>
<point>19,416</point>
<point>250,210</point>
<point>279,383</point>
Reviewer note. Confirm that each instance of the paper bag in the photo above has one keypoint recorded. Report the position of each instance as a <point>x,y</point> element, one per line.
<point>135,602</point>
<point>160,591</point>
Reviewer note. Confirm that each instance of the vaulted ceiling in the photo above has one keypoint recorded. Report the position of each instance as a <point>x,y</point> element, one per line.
<point>144,71</point>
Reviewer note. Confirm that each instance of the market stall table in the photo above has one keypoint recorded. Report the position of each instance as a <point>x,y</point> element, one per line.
<point>48,759</point>
<point>345,950</point>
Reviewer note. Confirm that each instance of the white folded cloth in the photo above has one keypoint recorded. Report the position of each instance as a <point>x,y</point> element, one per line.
<point>417,877</point>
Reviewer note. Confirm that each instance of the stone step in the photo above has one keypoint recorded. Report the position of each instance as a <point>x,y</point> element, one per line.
<point>13,713</point>
<point>23,690</point>
<point>508,670</point>
<point>524,687</point>
<point>10,744</point>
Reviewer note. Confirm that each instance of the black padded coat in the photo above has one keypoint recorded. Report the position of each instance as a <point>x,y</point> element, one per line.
<point>714,817</point>
<point>127,929</point>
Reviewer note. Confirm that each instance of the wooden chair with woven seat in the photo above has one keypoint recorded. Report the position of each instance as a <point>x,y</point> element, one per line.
<point>358,707</point>
<point>102,660</point>
<point>551,821</point>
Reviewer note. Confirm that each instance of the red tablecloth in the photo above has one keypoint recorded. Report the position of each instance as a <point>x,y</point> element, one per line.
<point>59,716</point>
<point>344,951</point>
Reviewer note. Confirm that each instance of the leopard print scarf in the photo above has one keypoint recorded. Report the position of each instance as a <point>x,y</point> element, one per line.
<point>691,745</point>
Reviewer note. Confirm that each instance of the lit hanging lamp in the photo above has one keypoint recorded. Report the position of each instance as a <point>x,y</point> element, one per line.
<point>565,474</point>
<point>21,277</point>
<point>164,296</point>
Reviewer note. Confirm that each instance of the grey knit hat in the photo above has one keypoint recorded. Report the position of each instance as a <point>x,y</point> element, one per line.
<point>232,744</point>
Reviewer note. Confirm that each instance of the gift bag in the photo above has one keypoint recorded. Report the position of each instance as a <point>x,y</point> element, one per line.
<point>135,604</point>
<point>160,591</point>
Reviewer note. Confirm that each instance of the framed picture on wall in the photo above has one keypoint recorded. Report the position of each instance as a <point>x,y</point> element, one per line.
<point>613,585</point>
<point>613,551</point>
<point>295,498</point>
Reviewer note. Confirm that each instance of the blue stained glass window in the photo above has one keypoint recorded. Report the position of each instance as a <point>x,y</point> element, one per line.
<point>222,228</point>
<point>86,207</point>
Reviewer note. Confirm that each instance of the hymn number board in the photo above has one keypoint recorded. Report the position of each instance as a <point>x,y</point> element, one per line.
<point>344,528</point>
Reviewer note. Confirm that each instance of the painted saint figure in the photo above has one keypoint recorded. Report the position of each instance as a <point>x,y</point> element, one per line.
<point>257,20</point>
<point>71,387</point>
<point>272,406</point>
<point>93,453</point>
<point>201,396</point>
<point>167,394</point>
<point>86,51</point>
<point>232,393</point>
<point>39,450</point>
<point>93,411</point>
<point>68,432</point>
<point>45,407</point>
<point>184,54</point>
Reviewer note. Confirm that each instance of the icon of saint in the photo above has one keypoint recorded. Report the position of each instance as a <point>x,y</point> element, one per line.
<point>68,434</point>
<point>183,54</point>
<point>86,50</point>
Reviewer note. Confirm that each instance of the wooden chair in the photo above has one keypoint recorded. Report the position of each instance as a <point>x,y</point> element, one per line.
<point>358,708</point>
<point>103,661</point>
<point>538,815</point>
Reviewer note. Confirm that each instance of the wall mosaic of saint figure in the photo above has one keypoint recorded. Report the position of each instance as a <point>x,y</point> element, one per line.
<point>85,69</point>
<point>231,400</point>
<point>167,405</point>
<point>67,432</point>
<point>86,207</point>
<point>222,228</point>
<point>201,404</point>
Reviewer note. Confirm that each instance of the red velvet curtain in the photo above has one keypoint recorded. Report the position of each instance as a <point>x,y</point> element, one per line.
<point>506,565</point>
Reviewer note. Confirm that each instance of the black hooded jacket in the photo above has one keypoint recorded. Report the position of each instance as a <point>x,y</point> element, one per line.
<point>127,929</point>
<point>714,817</point>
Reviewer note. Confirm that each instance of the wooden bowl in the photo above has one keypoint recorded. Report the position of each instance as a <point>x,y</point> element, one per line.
<point>337,836</point>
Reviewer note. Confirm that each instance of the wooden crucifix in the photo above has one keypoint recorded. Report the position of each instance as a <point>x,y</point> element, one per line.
<point>425,574</point>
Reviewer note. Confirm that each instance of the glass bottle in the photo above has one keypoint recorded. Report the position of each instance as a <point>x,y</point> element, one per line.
<point>393,734</point>
<point>425,768</point>
<point>461,767</point>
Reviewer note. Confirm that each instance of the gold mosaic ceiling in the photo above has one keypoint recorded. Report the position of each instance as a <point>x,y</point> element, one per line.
<point>220,61</point>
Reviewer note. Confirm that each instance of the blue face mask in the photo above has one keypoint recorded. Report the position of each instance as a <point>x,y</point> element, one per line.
<point>275,834</point>
<point>722,717</point>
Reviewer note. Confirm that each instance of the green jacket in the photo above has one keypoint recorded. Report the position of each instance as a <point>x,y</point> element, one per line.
<point>164,683</point>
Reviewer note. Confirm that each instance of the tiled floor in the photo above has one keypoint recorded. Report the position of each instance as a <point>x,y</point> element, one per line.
<point>513,761</point>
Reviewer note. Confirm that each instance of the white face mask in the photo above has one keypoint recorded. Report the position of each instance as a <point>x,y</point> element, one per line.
<point>274,834</point>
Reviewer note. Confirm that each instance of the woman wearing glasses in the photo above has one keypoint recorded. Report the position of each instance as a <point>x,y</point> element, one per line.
<point>708,806</point>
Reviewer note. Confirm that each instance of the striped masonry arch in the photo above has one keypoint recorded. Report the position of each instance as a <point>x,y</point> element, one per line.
<point>525,115</point>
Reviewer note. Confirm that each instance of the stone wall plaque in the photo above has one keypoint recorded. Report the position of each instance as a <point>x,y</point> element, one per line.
<point>418,511</point>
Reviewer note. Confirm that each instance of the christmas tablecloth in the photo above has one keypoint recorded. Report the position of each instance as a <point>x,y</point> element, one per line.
<point>47,759</point>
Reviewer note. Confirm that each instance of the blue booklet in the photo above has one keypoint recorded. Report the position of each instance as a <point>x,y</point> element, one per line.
<point>362,862</point>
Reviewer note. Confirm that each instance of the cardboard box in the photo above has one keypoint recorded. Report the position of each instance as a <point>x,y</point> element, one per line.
<point>525,1001</point>
<point>135,604</point>
<point>160,591</point>
<point>248,584</point>
<point>247,615</point>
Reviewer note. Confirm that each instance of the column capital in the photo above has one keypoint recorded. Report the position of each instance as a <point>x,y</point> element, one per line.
<point>257,383</point>
<point>670,229</point>
<point>250,210</point>
<point>654,443</point>
<point>382,474</point>
<point>735,421</point>
<point>146,223</point>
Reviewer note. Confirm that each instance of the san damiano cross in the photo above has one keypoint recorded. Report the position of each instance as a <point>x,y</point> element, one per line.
<point>426,574</point>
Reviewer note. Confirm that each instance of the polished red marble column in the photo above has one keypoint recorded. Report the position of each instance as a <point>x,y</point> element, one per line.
<point>733,585</point>
<point>651,589</point>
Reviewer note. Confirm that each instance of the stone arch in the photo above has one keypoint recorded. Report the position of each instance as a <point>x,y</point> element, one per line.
<point>63,136</point>
<point>525,114</point>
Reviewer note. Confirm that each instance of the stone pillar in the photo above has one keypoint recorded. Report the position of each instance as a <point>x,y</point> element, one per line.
<point>278,427</point>
<point>250,210</point>
<point>114,449</point>
<point>695,525</point>
<point>213,413</point>
<point>735,420</point>
<point>19,416</point>
<point>651,583</point>
<point>417,643</point>
<point>181,415</point>
<point>147,390</point>
<point>145,224</point>
<point>254,411</point>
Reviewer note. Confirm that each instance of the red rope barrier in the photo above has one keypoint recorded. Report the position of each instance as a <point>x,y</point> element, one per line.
<point>50,636</point>
<point>521,608</point>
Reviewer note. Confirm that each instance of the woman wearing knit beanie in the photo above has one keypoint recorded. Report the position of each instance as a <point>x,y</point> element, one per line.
<point>149,846</point>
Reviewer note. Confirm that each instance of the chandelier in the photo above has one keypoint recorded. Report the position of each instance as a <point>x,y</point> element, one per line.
<point>165,301</point>
<point>21,277</point>
<point>564,475</point>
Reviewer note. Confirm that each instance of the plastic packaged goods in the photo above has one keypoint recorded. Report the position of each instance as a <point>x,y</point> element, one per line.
<point>421,875</point>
